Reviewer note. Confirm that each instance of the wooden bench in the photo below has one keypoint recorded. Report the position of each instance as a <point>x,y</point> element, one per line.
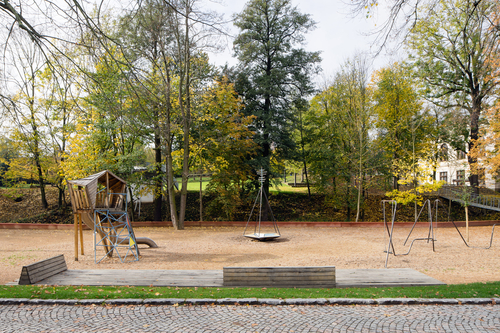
<point>283,277</point>
<point>40,270</point>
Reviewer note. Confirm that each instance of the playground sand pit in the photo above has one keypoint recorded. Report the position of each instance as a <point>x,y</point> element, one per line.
<point>215,248</point>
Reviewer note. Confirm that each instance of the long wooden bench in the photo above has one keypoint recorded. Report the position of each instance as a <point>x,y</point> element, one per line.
<point>283,277</point>
<point>40,270</point>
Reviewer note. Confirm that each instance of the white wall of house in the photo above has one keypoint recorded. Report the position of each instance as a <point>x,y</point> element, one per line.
<point>454,168</point>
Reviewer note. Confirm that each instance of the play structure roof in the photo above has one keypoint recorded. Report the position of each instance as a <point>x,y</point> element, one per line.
<point>112,182</point>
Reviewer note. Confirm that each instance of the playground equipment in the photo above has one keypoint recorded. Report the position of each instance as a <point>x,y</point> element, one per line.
<point>100,201</point>
<point>430,236</point>
<point>263,203</point>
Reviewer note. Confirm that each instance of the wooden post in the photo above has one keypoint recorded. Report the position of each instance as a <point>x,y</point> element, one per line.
<point>467,222</point>
<point>81,233</point>
<point>76,236</point>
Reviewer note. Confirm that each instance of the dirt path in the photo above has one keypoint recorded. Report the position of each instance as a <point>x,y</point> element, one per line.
<point>214,248</point>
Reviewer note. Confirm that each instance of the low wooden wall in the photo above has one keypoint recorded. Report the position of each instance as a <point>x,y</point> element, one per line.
<point>281,277</point>
<point>47,226</point>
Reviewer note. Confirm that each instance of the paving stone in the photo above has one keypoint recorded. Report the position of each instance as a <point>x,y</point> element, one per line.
<point>477,318</point>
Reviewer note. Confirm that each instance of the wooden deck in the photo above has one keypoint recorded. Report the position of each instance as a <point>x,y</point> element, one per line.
<point>213,278</point>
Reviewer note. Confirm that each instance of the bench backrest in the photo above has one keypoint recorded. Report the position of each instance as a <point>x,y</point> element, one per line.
<point>40,270</point>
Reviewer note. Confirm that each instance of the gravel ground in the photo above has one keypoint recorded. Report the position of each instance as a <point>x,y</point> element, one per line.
<point>214,248</point>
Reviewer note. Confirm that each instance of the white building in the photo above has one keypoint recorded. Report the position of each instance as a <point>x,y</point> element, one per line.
<point>453,168</point>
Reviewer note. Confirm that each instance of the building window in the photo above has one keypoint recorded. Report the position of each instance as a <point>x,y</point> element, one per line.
<point>443,154</point>
<point>460,177</point>
<point>443,176</point>
<point>461,155</point>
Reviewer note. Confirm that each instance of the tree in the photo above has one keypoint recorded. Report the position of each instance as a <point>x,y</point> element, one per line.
<point>59,103</point>
<point>339,121</point>
<point>148,40</point>
<point>272,71</point>
<point>450,47</point>
<point>399,119</point>
<point>24,112</point>
<point>225,144</point>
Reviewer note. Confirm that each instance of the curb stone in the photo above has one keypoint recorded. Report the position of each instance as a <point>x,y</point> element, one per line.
<point>396,301</point>
<point>255,301</point>
<point>163,301</point>
<point>271,301</point>
<point>199,301</point>
<point>444,301</point>
<point>477,301</point>
<point>91,301</point>
<point>124,301</point>
<point>305,301</point>
<point>352,301</point>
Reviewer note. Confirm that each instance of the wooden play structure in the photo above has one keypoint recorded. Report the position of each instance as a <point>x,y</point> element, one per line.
<point>100,201</point>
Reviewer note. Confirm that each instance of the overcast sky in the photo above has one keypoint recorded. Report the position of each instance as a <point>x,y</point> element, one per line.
<point>337,35</point>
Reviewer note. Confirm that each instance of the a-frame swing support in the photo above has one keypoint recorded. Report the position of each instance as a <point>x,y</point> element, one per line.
<point>390,244</point>
<point>261,200</point>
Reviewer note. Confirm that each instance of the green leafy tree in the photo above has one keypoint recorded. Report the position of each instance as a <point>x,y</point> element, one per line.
<point>339,121</point>
<point>149,42</point>
<point>400,121</point>
<point>272,71</point>
<point>225,145</point>
<point>450,46</point>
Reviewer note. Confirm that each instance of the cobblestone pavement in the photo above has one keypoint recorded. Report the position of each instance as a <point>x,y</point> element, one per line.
<point>252,318</point>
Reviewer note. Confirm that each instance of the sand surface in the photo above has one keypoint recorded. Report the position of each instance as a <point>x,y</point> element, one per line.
<point>214,248</point>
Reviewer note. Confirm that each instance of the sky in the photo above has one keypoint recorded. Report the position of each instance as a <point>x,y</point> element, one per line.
<point>338,35</point>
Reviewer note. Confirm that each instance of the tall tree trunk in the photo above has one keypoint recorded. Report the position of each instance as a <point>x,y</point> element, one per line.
<point>36,155</point>
<point>186,112</point>
<point>168,149</point>
<point>170,179</point>
<point>304,154</point>
<point>474,135</point>
<point>41,181</point>
<point>348,202</point>
<point>159,178</point>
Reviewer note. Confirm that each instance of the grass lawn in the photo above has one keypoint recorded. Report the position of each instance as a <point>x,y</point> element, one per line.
<point>194,185</point>
<point>472,290</point>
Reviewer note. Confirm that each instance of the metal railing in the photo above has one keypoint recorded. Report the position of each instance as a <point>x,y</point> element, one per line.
<point>466,195</point>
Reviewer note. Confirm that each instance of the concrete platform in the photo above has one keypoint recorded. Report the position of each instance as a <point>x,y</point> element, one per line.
<point>346,278</point>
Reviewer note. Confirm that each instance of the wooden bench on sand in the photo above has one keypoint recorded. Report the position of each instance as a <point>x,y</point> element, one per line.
<point>281,277</point>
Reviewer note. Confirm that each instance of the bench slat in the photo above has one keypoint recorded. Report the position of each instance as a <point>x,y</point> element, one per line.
<point>43,269</point>
<point>51,265</point>
<point>320,276</point>
<point>43,274</point>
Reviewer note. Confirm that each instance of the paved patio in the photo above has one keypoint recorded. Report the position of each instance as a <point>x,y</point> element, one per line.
<point>346,278</point>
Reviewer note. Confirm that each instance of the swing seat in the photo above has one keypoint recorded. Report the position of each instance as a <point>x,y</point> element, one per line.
<point>263,236</point>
